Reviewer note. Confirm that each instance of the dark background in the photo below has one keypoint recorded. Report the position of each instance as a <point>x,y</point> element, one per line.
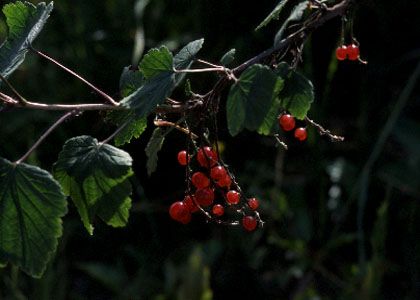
<point>309,246</point>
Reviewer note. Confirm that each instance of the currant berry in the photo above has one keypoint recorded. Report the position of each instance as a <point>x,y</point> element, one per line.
<point>189,202</point>
<point>204,197</point>
<point>249,223</point>
<point>180,212</point>
<point>218,210</point>
<point>253,203</point>
<point>233,197</point>
<point>341,52</point>
<point>225,181</point>
<point>301,134</point>
<point>200,180</point>
<point>206,157</point>
<point>287,122</point>
<point>182,158</point>
<point>353,52</point>
<point>218,173</point>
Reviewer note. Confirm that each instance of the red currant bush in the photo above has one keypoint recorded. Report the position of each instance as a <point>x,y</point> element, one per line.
<point>183,158</point>
<point>253,203</point>
<point>206,157</point>
<point>353,52</point>
<point>200,180</point>
<point>204,197</point>
<point>218,210</point>
<point>180,212</point>
<point>233,197</point>
<point>287,122</point>
<point>190,203</point>
<point>218,173</point>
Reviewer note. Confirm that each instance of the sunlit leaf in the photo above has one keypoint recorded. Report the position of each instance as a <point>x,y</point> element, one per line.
<point>157,61</point>
<point>31,206</point>
<point>96,176</point>
<point>25,22</point>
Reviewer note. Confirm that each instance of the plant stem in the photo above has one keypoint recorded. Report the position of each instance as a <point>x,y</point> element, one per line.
<point>203,70</point>
<point>118,130</point>
<point>19,96</point>
<point>103,94</point>
<point>46,133</point>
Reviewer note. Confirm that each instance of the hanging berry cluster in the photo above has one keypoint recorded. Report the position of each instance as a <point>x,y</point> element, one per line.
<point>350,52</point>
<point>287,122</point>
<point>213,191</point>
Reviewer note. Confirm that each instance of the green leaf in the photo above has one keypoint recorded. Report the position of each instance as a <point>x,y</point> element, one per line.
<point>297,94</point>
<point>251,98</point>
<point>152,149</point>
<point>157,61</point>
<point>31,206</point>
<point>25,22</point>
<point>130,81</point>
<point>154,92</point>
<point>273,15</point>
<point>296,15</point>
<point>96,176</point>
<point>185,57</point>
<point>228,57</point>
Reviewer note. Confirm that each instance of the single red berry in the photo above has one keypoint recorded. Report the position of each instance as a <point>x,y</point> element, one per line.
<point>225,181</point>
<point>189,202</point>
<point>180,212</point>
<point>249,223</point>
<point>341,52</point>
<point>218,173</point>
<point>233,197</point>
<point>206,157</point>
<point>218,210</point>
<point>353,52</point>
<point>301,134</point>
<point>200,180</point>
<point>253,203</point>
<point>204,197</point>
<point>287,122</point>
<point>182,157</point>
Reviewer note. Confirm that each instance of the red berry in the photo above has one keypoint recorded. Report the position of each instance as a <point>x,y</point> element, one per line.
<point>353,52</point>
<point>206,157</point>
<point>182,157</point>
<point>200,180</point>
<point>218,173</point>
<point>287,122</point>
<point>225,181</point>
<point>341,52</point>
<point>189,202</point>
<point>180,212</point>
<point>204,197</point>
<point>300,134</point>
<point>249,223</point>
<point>218,210</point>
<point>233,197</point>
<point>253,203</point>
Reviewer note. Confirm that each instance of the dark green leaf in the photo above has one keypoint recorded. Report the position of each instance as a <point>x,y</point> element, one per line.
<point>96,176</point>
<point>185,57</point>
<point>297,94</point>
<point>251,98</point>
<point>25,22</point>
<point>273,15</point>
<point>31,206</point>
<point>152,149</point>
<point>296,15</point>
<point>151,94</point>
<point>228,57</point>
<point>133,129</point>
<point>157,61</point>
<point>130,81</point>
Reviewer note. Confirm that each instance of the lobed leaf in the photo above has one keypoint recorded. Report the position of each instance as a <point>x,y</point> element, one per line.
<point>185,57</point>
<point>251,98</point>
<point>296,15</point>
<point>157,61</point>
<point>273,15</point>
<point>152,149</point>
<point>31,207</point>
<point>96,176</point>
<point>25,21</point>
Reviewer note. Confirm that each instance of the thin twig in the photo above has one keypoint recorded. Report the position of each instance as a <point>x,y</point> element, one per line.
<point>203,70</point>
<point>323,131</point>
<point>103,94</point>
<point>19,96</point>
<point>283,144</point>
<point>46,133</point>
<point>163,123</point>
<point>118,130</point>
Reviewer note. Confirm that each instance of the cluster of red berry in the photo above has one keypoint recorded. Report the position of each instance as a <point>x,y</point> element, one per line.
<point>350,52</point>
<point>211,181</point>
<point>287,122</point>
